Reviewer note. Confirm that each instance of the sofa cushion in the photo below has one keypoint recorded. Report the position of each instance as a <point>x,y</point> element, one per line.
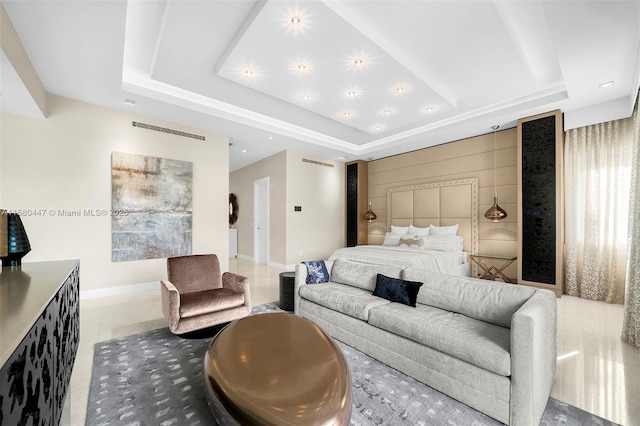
<point>361,275</point>
<point>397,290</point>
<point>348,300</point>
<point>477,342</point>
<point>489,301</point>
<point>208,301</point>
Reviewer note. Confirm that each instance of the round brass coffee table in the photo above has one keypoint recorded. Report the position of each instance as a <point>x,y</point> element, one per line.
<point>277,369</point>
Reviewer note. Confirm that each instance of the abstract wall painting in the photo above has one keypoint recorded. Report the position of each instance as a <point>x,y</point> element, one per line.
<point>151,200</point>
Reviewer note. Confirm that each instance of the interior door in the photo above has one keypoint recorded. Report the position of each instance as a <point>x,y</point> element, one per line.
<point>261,220</point>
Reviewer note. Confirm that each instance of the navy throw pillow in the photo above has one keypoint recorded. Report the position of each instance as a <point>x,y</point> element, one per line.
<point>316,272</point>
<point>397,290</point>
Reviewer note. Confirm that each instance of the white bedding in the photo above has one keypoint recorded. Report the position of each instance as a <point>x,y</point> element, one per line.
<point>447,262</point>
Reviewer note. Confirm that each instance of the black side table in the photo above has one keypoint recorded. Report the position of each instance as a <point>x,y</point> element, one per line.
<point>287,286</point>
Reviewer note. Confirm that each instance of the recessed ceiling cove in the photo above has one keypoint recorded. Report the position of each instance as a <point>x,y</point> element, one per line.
<point>318,61</point>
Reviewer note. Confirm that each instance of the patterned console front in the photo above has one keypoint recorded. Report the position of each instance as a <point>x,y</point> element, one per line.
<point>35,378</point>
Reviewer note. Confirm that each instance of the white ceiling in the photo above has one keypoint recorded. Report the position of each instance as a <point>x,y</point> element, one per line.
<point>463,66</point>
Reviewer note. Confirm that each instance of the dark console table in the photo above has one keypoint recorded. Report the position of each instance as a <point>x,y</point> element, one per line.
<point>39,335</point>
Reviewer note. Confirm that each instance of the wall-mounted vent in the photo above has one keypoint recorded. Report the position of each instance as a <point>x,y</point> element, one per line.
<point>319,163</point>
<point>167,130</point>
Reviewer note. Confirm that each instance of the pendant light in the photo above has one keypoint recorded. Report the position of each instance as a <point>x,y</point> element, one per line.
<point>495,212</point>
<point>370,215</point>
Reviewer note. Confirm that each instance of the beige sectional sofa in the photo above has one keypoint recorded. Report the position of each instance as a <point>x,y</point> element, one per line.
<point>487,344</point>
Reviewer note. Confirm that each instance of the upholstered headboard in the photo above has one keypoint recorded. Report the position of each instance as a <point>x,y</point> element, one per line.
<point>437,203</point>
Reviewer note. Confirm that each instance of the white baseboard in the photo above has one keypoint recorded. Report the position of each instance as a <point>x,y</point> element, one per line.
<point>282,266</point>
<point>119,290</point>
<point>245,257</point>
<point>276,265</point>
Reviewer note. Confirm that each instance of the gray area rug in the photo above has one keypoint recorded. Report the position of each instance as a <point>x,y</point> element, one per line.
<point>155,378</point>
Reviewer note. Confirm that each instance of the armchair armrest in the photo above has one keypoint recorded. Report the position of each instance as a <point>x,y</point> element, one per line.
<point>239,284</point>
<point>170,303</point>
<point>533,357</point>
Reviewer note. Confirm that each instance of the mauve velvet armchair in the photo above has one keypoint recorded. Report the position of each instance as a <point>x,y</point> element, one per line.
<point>197,295</point>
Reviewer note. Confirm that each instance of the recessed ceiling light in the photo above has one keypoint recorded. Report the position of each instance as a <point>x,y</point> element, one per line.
<point>347,114</point>
<point>387,111</point>
<point>244,150</point>
<point>305,96</point>
<point>359,62</point>
<point>296,21</point>
<point>428,109</point>
<point>270,137</point>
<point>606,84</point>
<point>249,72</point>
<point>378,127</point>
<point>399,89</point>
<point>301,66</point>
<point>352,93</point>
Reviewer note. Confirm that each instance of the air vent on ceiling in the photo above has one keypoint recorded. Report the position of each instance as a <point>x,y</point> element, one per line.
<point>319,163</point>
<point>167,130</point>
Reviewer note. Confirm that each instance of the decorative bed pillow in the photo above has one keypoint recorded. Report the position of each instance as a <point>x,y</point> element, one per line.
<point>441,243</point>
<point>316,272</point>
<point>397,290</point>
<point>399,230</point>
<point>414,230</point>
<point>391,239</point>
<point>416,241</point>
<point>444,230</point>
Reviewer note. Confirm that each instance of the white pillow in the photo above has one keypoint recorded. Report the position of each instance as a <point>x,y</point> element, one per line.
<point>444,230</point>
<point>459,243</point>
<point>414,230</point>
<point>391,239</point>
<point>399,230</point>
<point>441,243</point>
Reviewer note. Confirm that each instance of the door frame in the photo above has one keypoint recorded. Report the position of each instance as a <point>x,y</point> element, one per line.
<point>257,184</point>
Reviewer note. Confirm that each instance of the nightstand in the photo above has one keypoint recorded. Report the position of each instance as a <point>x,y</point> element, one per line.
<point>491,271</point>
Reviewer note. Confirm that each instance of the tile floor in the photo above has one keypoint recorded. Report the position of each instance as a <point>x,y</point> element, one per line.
<point>596,371</point>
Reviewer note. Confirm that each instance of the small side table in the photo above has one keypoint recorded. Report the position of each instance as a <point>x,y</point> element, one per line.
<point>287,286</point>
<point>490,271</point>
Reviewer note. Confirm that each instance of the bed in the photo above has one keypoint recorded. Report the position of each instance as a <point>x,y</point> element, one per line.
<point>440,205</point>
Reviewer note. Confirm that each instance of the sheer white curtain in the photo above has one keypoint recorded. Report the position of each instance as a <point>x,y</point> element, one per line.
<point>597,184</point>
<point>631,325</point>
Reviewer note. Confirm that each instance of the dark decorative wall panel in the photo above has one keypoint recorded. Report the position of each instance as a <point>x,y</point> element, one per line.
<point>352,205</point>
<point>36,377</point>
<point>539,200</point>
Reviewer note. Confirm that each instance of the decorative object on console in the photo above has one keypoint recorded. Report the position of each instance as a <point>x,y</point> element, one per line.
<point>495,212</point>
<point>17,241</point>
<point>370,216</point>
<point>233,209</point>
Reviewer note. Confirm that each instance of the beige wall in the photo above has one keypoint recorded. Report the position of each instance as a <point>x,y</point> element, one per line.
<point>313,233</point>
<point>473,157</point>
<point>64,162</point>
<point>241,184</point>
<point>318,230</point>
